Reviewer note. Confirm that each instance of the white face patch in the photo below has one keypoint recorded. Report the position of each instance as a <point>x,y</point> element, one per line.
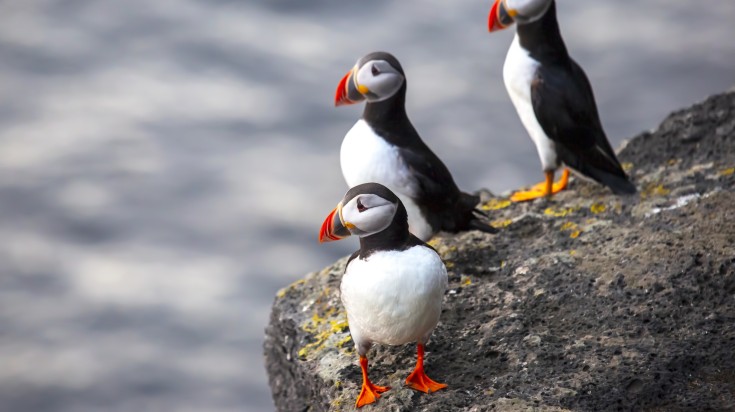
<point>380,78</point>
<point>527,10</point>
<point>367,214</point>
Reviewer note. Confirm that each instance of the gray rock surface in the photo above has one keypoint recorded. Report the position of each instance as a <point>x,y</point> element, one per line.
<point>588,302</point>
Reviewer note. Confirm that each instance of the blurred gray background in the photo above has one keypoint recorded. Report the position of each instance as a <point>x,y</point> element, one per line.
<point>165,166</point>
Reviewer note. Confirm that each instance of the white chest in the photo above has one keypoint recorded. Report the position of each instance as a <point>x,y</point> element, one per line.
<point>366,157</point>
<point>518,73</point>
<point>394,297</point>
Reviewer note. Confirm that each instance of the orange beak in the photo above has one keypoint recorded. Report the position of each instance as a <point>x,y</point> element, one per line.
<point>347,92</point>
<point>340,97</point>
<point>499,17</point>
<point>333,229</point>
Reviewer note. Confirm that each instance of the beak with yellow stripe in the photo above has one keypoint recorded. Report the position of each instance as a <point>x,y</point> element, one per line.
<point>500,16</point>
<point>333,228</point>
<point>365,210</point>
<point>376,77</point>
<point>504,13</point>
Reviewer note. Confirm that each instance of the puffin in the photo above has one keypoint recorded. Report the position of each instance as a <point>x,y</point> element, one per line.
<point>384,147</point>
<point>554,100</point>
<point>393,286</point>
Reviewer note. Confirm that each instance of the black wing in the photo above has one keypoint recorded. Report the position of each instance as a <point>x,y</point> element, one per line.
<point>445,207</point>
<point>451,209</point>
<point>565,107</point>
<point>435,182</point>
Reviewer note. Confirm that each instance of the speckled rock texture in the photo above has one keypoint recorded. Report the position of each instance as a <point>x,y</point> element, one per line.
<point>589,302</point>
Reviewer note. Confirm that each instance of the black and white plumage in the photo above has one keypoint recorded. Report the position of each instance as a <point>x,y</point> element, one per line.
<point>553,96</point>
<point>384,147</point>
<point>393,286</point>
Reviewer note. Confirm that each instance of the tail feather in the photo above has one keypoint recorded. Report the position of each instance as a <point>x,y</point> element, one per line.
<point>463,215</point>
<point>483,226</point>
<point>601,166</point>
<point>476,219</point>
<point>620,185</point>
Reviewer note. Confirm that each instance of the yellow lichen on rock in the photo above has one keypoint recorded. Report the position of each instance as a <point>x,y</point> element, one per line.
<point>571,227</point>
<point>550,211</point>
<point>324,330</point>
<point>337,404</point>
<point>327,325</point>
<point>496,204</point>
<point>598,208</point>
<point>347,339</point>
<point>501,223</point>
<point>567,226</point>
<point>654,190</point>
<point>727,172</point>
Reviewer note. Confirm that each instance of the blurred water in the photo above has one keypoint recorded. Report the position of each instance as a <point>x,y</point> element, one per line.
<point>165,166</point>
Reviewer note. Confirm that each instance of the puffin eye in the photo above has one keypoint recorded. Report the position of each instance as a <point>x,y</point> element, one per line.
<point>360,207</point>
<point>375,70</point>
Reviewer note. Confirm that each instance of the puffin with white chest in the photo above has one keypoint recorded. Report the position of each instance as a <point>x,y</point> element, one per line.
<point>384,147</point>
<point>393,286</point>
<point>554,100</point>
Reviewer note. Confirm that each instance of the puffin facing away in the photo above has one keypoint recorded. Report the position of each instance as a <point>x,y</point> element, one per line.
<point>384,147</point>
<point>554,100</point>
<point>393,286</point>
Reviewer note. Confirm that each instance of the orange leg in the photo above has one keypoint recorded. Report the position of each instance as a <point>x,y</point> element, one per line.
<point>545,188</point>
<point>418,379</point>
<point>370,392</point>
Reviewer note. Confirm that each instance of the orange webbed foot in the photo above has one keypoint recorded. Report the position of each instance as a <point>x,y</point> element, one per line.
<point>370,392</point>
<point>546,188</point>
<point>526,195</point>
<point>418,379</point>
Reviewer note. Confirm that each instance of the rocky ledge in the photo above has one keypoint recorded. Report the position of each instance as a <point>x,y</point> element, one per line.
<point>590,302</point>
